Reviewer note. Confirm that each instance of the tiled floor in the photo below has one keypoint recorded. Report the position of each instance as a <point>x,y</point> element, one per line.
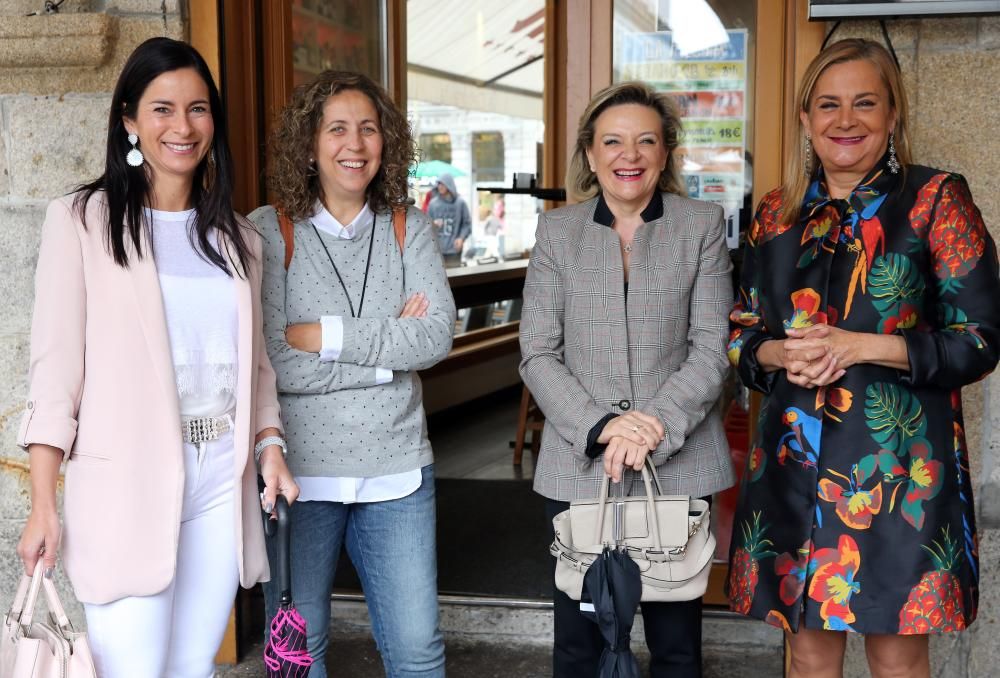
<point>355,656</point>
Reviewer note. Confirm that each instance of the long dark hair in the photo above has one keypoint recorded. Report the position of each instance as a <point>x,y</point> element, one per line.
<point>127,189</point>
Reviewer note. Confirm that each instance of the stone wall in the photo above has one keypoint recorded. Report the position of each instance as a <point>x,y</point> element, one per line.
<point>56,77</point>
<point>952,70</point>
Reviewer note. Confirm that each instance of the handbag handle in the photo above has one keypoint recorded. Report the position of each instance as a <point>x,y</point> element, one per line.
<point>23,609</point>
<point>17,605</point>
<point>652,482</point>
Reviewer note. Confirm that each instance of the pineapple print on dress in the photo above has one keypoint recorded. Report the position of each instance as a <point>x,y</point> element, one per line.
<point>935,603</point>
<point>744,570</point>
<point>957,237</point>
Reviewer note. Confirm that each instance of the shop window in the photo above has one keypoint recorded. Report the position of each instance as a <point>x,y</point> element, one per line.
<point>487,156</point>
<point>435,147</point>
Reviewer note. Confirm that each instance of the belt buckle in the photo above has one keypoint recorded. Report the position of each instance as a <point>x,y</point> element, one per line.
<point>203,429</point>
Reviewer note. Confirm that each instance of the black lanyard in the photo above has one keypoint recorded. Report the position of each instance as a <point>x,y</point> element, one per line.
<point>364,287</point>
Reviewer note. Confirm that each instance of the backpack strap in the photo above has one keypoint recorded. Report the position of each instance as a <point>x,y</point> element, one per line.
<point>288,235</point>
<point>399,226</point>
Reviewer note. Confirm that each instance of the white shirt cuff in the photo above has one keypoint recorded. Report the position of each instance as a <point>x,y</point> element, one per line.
<point>332,329</point>
<point>382,376</point>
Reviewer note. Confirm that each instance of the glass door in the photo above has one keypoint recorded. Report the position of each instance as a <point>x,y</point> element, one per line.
<point>703,52</point>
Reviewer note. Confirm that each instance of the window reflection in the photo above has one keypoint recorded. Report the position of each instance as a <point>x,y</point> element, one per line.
<point>435,147</point>
<point>475,80</point>
<point>338,34</point>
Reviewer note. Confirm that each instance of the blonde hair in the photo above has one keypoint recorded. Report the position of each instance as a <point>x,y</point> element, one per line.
<point>581,181</point>
<point>797,179</point>
<point>296,185</point>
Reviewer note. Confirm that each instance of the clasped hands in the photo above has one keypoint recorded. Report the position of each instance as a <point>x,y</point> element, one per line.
<point>308,337</point>
<point>630,438</point>
<point>815,356</point>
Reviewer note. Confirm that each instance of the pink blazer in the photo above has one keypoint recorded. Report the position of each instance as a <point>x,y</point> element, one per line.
<point>101,388</point>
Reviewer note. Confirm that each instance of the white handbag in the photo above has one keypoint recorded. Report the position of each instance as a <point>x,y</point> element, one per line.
<point>42,649</point>
<point>668,536</point>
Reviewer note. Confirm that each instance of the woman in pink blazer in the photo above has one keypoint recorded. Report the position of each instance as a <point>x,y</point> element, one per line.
<point>149,377</point>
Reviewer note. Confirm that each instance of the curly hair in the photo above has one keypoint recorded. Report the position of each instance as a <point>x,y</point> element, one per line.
<point>296,185</point>
<point>581,181</point>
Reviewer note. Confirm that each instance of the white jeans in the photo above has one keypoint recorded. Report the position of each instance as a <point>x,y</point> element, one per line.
<point>177,632</point>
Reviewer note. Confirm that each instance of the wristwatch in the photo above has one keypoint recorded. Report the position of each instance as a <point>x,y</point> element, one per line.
<point>258,449</point>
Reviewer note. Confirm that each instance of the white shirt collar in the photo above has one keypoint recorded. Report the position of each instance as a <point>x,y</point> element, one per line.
<point>328,223</point>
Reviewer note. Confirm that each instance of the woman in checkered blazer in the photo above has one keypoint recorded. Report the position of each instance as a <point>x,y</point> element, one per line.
<point>623,339</point>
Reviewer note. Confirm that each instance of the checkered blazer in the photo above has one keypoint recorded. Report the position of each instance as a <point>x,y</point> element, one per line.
<point>585,352</point>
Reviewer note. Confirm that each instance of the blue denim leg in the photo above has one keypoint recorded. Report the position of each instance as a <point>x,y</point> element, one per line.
<point>317,534</point>
<point>392,545</point>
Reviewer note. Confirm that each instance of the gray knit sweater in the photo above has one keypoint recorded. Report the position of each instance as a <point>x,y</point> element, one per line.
<point>337,421</point>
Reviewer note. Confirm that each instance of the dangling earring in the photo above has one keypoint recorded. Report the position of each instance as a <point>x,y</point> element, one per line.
<point>312,167</point>
<point>134,157</point>
<point>807,155</point>
<point>893,163</point>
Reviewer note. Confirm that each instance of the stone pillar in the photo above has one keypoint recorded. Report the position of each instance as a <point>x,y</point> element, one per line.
<point>56,76</point>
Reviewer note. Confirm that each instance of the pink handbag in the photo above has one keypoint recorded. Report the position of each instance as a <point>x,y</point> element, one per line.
<point>42,649</point>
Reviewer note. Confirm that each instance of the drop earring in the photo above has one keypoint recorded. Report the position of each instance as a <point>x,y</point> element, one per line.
<point>807,155</point>
<point>893,163</point>
<point>134,157</point>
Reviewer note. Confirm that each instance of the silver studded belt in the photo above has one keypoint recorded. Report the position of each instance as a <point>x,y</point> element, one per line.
<point>197,430</point>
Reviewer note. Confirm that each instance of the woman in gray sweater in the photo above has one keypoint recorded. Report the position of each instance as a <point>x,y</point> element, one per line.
<point>354,304</point>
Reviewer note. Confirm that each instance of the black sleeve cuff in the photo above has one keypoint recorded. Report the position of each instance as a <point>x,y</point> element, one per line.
<point>752,374</point>
<point>594,448</point>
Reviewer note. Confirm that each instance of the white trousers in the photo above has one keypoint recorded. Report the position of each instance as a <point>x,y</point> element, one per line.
<point>177,632</point>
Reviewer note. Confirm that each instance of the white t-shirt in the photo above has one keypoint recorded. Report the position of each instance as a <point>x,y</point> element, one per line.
<point>199,302</point>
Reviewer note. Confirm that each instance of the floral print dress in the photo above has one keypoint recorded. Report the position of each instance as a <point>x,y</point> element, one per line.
<point>856,508</point>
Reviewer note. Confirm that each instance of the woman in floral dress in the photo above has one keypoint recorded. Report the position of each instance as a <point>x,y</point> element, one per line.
<point>868,298</point>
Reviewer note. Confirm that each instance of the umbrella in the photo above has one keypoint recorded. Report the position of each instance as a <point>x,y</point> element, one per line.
<point>434,168</point>
<point>285,655</point>
<point>614,586</point>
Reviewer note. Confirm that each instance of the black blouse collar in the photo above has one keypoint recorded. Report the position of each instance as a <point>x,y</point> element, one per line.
<point>653,211</point>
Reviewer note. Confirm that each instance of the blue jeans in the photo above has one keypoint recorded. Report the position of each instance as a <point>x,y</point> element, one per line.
<point>392,546</point>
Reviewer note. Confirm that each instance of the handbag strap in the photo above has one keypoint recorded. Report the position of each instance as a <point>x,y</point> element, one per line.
<point>18,603</point>
<point>652,482</point>
<point>39,581</point>
<point>651,504</point>
<point>29,604</point>
<point>55,605</point>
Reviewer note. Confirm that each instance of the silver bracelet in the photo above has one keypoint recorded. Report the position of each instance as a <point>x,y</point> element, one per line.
<point>258,449</point>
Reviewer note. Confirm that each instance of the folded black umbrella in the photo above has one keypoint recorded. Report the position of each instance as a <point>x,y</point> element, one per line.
<point>614,586</point>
